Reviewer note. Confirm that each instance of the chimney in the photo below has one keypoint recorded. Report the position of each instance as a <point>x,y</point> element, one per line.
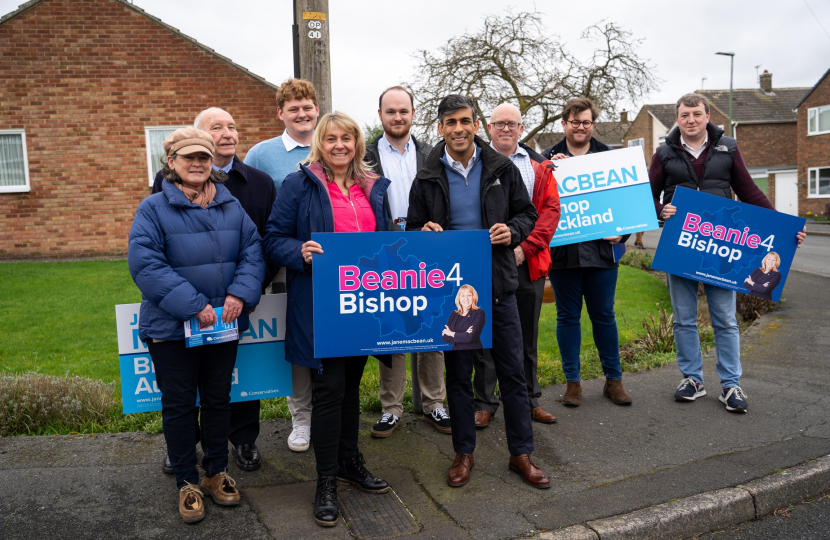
<point>624,116</point>
<point>766,82</point>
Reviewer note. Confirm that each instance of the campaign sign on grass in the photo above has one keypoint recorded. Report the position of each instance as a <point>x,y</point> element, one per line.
<point>727,243</point>
<point>260,371</point>
<point>603,194</point>
<point>393,292</point>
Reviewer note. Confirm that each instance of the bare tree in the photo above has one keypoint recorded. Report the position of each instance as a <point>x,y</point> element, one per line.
<point>511,60</point>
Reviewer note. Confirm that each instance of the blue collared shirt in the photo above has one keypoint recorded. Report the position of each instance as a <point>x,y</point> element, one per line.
<point>521,159</point>
<point>226,169</point>
<point>400,169</point>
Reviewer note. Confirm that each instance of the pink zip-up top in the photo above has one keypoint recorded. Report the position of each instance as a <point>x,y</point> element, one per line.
<point>352,214</point>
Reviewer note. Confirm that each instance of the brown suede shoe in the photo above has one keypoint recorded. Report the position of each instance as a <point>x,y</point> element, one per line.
<point>459,473</point>
<point>482,419</point>
<point>221,489</point>
<point>538,414</point>
<point>573,395</point>
<point>531,473</point>
<point>191,506</point>
<point>614,391</point>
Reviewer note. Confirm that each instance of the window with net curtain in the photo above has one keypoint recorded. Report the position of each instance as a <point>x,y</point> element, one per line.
<point>155,147</point>
<point>14,169</point>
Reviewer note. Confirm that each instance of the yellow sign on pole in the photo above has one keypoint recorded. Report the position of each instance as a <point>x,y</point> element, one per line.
<point>314,15</point>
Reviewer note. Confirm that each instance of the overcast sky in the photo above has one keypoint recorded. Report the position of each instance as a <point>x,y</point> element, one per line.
<point>372,40</point>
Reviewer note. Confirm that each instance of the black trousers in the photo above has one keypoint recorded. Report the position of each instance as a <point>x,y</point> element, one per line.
<point>507,360</point>
<point>335,414</point>
<point>180,372</point>
<point>529,297</point>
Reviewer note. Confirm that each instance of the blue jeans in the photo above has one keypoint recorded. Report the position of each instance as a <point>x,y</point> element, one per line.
<point>683,293</point>
<point>597,286</point>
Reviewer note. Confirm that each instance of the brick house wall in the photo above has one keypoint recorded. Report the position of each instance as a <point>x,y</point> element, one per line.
<point>813,150</point>
<point>768,145</point>
<point>83,78</point>
<point>641,128</point>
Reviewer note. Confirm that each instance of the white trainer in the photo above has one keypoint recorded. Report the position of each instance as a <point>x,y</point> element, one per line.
<point>300,438</point>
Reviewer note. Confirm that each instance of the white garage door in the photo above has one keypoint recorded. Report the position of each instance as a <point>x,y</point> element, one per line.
<point>786,192</point>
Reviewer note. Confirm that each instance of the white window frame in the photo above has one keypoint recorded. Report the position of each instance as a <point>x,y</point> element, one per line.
<point>25,188</point>
<point>661,140</point>
<point>641,142</point>
<point>817,111</point>
<point>147,129</point>
<point>809,172</point>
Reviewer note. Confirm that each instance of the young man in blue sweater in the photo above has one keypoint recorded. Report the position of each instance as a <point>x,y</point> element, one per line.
<point>298,109</point>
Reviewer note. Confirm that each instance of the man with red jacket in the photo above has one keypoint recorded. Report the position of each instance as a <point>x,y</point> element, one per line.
<point>532,259</point>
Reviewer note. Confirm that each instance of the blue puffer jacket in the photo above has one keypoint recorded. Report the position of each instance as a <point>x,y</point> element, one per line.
<point>303,206</point>
<point>183,256</point>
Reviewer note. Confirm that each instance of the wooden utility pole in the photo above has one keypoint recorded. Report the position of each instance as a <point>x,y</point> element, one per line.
<point>312,43</point>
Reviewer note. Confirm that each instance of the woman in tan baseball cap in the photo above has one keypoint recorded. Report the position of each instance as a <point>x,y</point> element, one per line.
<point>193,251</point>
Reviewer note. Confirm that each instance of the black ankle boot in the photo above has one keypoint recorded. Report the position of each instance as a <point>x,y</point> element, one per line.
<point>352,470</point>
<point>326,510</point>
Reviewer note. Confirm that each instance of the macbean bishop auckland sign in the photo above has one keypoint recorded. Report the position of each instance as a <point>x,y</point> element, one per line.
<point>727,243</point>
<point>604,194</point>
<point>260,371</point>
<point>392,292</point>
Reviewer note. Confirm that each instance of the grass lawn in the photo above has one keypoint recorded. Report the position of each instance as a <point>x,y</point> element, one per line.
<point>59,318</point>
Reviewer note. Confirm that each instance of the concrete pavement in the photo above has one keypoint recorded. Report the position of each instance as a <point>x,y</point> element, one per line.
<point>603,460</point>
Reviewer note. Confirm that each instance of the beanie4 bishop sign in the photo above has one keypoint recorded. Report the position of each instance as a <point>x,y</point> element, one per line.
<point>727,243</point>
<point>394,292</point>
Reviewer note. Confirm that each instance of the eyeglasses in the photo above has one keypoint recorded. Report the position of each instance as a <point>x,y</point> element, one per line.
<point>513,126</point>
<point>576,123</point>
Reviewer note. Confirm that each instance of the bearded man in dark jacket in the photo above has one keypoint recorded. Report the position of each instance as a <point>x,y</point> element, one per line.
<point>466,185</point>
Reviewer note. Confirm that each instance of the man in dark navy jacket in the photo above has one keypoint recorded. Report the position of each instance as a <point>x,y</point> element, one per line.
<point>256,193</point>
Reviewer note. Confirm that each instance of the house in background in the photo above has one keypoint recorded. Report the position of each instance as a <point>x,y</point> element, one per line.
<point>810,191</point>
<point>764,124</point>
<point>89,89</point>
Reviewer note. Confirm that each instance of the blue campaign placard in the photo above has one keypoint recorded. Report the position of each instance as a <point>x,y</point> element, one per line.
<point>601,195</point>
<point>727,243</point>
<point>394,292</point>
<point>260,371</point>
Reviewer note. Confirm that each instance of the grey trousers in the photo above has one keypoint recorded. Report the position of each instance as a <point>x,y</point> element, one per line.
<point>428,389</point>
<point>299,403</point>
<point>529,300</point>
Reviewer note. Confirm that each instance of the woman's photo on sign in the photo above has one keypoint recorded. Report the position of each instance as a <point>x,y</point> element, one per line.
<point>464,327</point>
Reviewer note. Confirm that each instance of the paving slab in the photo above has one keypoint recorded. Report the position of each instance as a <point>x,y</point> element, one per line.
<point>603,460</point>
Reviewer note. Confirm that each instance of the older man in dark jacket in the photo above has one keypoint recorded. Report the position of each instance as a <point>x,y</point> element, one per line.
<point>466,185</point>
<point>255,191</point>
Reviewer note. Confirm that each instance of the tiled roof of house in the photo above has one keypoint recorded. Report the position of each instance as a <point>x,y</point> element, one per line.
<point>810,91</point>
<point>22,8</point>
<point>665,113</point>
<point>752,106</point>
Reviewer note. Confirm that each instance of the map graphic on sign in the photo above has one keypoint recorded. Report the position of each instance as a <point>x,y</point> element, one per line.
<point>388,258</point>
<point>711,260</point>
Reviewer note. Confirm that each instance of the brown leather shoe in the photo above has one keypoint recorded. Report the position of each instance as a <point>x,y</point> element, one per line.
<point>221,489</point>
<point>614,391</point>
<point>531,473</point>
<point>483,419</point>
<point>573,395</point>
<point>538,414</point>
<point>459,473</point>
<point>191,505</point>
